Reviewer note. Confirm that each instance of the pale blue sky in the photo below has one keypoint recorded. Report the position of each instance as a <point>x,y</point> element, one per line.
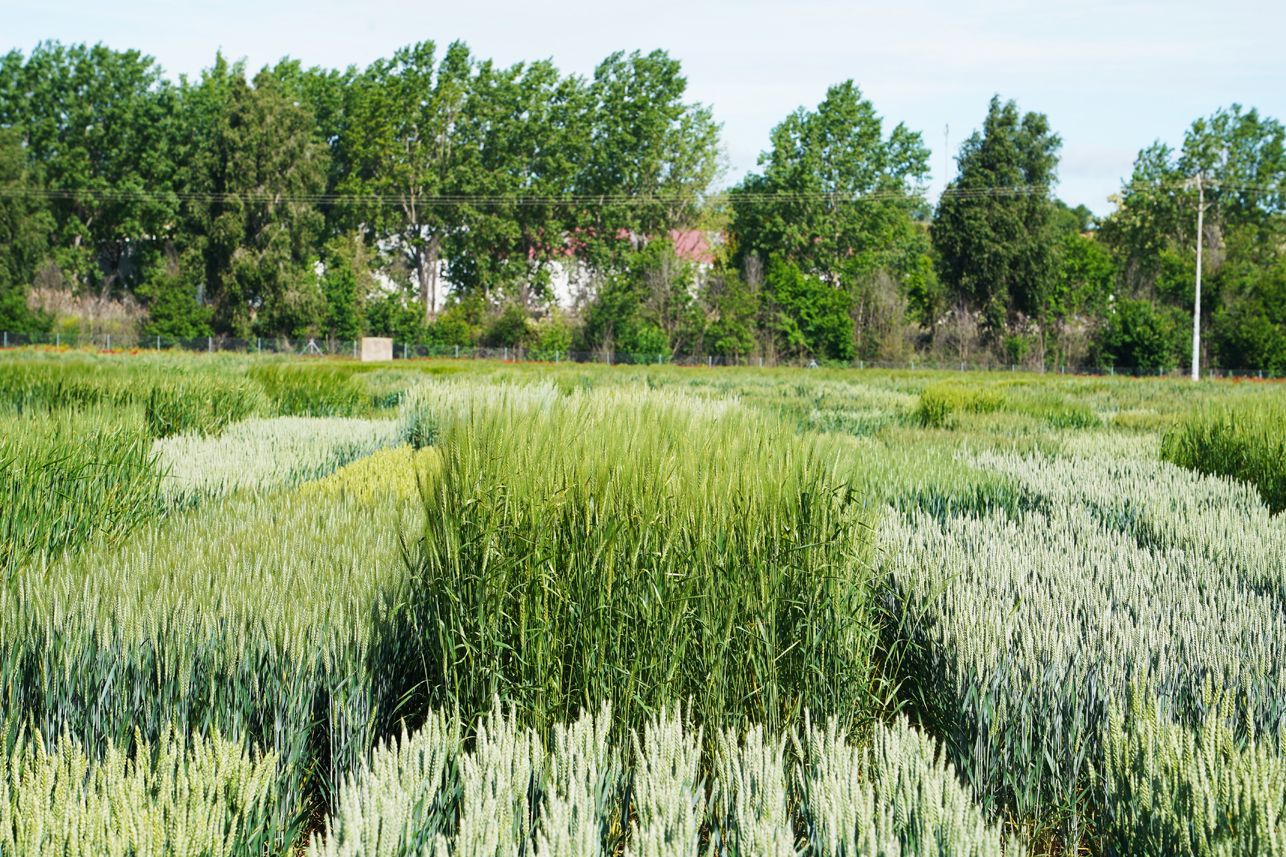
<point>1112,77</point>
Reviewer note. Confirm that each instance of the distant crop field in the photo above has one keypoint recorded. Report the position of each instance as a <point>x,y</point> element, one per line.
<point>267,605</point>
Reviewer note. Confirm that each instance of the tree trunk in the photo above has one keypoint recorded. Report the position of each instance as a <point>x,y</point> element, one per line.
<point>427,272</point>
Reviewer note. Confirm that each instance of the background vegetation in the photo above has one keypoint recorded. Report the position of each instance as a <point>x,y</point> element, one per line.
<point>294,201</point>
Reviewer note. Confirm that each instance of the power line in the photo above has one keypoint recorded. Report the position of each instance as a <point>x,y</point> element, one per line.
<point>583,200</point>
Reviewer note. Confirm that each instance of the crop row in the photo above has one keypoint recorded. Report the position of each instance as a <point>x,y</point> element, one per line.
<point>1022,627</point>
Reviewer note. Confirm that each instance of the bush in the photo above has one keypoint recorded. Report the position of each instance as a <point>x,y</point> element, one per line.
<point>551,338</point>
<point>510,329</point>
<point>1140,337</point>
<point>1246,443</point>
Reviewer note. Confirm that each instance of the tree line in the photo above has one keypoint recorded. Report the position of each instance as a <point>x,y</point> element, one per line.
<point>440,198</point>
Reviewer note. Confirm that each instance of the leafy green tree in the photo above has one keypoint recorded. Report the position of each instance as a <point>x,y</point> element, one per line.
<point>646,143</point>
<point>1241,158</point>
<point>734,309</point>
<point>809,317</point>
<point>170,291</point>
<point>647,307</point>
<point>1085,278</point>
<point>522,133</point>
<point>836,196</point>
<point>994,228</point>
<point>1249,329</point>
<point>98,124</point>
<point>1139,336</point>
<point>256,166</point>
<point>346,284</point>
<point>25,225</point>
<point>394,313</point>
<point>1079,220</point>
<point>511,328</point>
<point>402,155</point>
<point>552,337</point>
<point>460,324</point>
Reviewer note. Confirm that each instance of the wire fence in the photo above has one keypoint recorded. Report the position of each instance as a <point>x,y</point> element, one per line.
<point>351,349</point>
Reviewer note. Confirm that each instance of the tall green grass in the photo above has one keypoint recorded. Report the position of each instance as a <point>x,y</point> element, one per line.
<point>1246,443</point>
<point>182,396</point>
<point>68,478</point>
<point>636,547</point>
<point>312,390</point>
<point>201,406</point>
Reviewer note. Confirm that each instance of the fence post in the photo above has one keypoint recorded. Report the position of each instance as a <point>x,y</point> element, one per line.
<point>6,339</point>
<point>109,342</point>
<point>556,353</point>
<point>209,344</point>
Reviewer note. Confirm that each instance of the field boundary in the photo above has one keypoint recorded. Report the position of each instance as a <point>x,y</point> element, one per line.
<point>329,347</point>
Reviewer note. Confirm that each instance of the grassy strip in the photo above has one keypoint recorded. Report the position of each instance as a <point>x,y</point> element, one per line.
<point>177,397</point>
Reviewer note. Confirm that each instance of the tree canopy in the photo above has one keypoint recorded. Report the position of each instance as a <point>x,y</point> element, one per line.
<point>445,199</point>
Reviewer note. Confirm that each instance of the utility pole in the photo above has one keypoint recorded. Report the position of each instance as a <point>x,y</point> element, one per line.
<point>1196,309</point>
<point>946,154</point>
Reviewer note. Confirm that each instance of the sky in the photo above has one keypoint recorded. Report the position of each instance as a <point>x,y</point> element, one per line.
<point>1111,76</point>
